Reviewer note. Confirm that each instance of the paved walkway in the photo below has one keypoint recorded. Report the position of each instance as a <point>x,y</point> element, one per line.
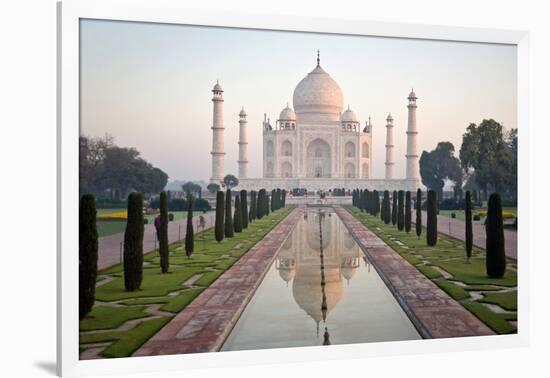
<point>204,325</point>
<point>110,247</point>
<point>456,228</point>
<point>431,310</point>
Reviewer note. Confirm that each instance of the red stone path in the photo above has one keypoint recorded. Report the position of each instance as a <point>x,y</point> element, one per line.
<point>109,251</point>
<point>456,229</point>
<point>431,310</point>
<point>205,323</point>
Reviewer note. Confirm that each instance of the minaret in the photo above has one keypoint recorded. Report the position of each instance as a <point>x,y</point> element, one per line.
<point>389,147</point>
<point>412,154</point>
<point>218,152</point>
<point>243,145</point>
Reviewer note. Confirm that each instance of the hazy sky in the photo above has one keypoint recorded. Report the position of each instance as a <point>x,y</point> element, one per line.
<point>149,86</point>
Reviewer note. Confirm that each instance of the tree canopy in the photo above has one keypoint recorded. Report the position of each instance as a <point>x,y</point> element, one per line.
<point>109,171</point>
<point>489,152</point>
<point>439,165</point>
<point>230,181</point>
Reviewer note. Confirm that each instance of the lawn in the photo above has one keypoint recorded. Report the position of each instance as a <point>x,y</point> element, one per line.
<point>463,279</point>
<point>460,213</point>
<point>125,320</point>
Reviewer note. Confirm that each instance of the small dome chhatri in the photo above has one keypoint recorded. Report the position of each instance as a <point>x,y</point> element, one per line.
<point>348,116</point>
<point>287,114</point>
<point>217,87</point>
<point>242,113</point>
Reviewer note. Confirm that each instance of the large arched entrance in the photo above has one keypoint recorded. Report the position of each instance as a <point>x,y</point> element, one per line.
<point>318,159</point>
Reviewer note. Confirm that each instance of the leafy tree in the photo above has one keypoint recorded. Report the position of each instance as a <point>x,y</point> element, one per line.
<point>495,251</point>
<point>230,181</point>
<point>394,208</point>
<point>190,232</point>
<point>431,225</point>
<point>220,215</point>
<point>400,210</point>
<point>237,217</point>
<point>87,254</point>
<point>485,150</point>
<point>438,165</point>
<point>244,208</point>
<point>469,231</point>
<point>163,232</point>
<point>228,216</point>
<point>418,213</point>
<point>213,188</point>
<point>133,243</point>
<point>408,212</point>
<point>191,189</point>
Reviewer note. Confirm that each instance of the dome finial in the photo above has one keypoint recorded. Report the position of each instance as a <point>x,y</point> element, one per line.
<point>318,57</point>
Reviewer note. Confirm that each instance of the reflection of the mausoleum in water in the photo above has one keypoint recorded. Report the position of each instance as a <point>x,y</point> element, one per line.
<point>299,261</point>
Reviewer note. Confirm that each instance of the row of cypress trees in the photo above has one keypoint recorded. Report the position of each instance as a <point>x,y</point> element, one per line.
<point>400,214</point>
<point>229,222</point>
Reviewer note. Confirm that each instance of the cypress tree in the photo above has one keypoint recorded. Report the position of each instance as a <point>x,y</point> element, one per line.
<point>394,208</point>
<point>228,230</point>
<point>400,210</point>
<point>469,232</point>
<point>190,233</point>
<point>386,206</point>
<point>87,254</point>
<point>376,202</point>
<point>495,261</point>
<point>431,225</point>
<point>418,213</point>
<point>267,201</point>
<point>260,204</point>
<point>283,199</point>
<point>278,199</point>
<point>220,212</point>
<point>244,209</point>
<point>408,212</point>
<point>237,218</point>
<point>273,200</point>
<point>133,243</point>
<point>253,202</point>
<point>163,233</point>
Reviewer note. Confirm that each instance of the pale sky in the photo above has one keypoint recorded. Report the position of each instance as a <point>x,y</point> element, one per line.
<point>149,86</point>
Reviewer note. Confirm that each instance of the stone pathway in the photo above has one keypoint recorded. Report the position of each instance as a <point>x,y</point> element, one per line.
<point>455,228</point>
<point>432,311</point>
<point>110,246</point>
<point>207,321</point>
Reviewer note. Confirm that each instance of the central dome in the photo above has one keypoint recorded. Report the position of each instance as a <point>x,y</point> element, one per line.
<point>318,94</point>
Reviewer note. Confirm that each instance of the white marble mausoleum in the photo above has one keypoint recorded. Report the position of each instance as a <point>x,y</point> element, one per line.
<point>317,144</point>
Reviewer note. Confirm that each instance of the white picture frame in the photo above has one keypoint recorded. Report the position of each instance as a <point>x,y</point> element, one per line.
<point>69,14</point>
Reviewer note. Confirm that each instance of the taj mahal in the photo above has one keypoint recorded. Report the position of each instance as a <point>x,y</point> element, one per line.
<point>316,145</point>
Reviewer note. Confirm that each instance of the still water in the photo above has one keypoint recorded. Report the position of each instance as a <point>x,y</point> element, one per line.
<point>320,290</point>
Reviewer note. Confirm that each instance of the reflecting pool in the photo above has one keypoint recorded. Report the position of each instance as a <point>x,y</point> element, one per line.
<point>320,290</point>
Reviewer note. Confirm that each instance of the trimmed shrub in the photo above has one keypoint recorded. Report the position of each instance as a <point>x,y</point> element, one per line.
<point>431,224</point>
<point>408,212</point>
<point>495,251</point>
<point>189,233</point>
<point>418,213</point>
<point>267,206</point>
<point>244,209</point>
<point>273,200</point>
<point>394,208</point>
<point>252,211</point>
<point>237,217</point>
<point>133,243</point>
<point>468,221</point>
<point>163,232</point>
<point>386,205</point>
<point>87,255</point>
<point>145,221</point>
<point>376,203</point>
<point>283,199</point>
<point>261,204</point>
<point>228,230</point>
<point>170,216</point>
<point>400,210</point>
<point>220,212</point>
<point>453,215</point>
